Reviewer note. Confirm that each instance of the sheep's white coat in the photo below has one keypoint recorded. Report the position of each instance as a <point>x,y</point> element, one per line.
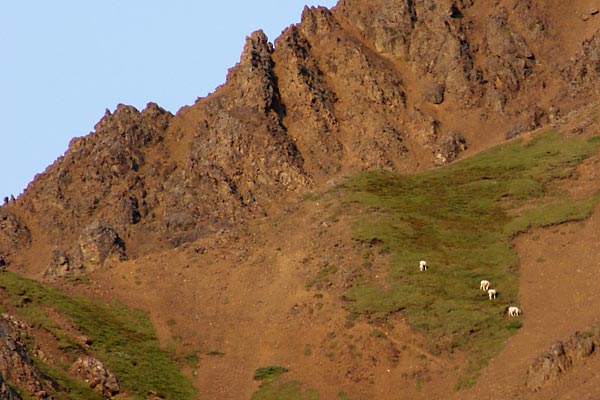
<point>492,293</point>
<point>423,265</point>
<point>484,285</point>
<point>514,311</point>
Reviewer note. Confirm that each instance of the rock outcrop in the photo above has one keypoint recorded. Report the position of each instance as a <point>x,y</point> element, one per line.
<point>98,245</point>
<point>434,93</point>
<point>14,235</point>
<point>561,357</point>
<point>367,84</point>
<point>16,366</point>
<point>451,145</point>
<point>7,392</point>
<point>96,375</point>
<point>586,70</point>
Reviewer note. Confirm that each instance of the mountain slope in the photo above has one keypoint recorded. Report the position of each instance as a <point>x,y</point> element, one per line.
<point>166,212</point>
<point>345,90</point>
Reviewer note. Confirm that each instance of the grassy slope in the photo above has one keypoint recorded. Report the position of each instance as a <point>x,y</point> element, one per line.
<point>461,219</point>
<point>272,388</point>
<point>284,391</point>
<point>124,340</point>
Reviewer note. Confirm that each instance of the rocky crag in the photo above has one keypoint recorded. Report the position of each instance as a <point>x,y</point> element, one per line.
<point>401,86</point>
<point>397,85</point>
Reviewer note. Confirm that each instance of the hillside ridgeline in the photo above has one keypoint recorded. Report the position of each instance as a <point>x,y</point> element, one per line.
<point>171,212</point>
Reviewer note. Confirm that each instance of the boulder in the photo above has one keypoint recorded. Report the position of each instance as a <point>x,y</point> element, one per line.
<point>60,266</point>
<point>434,93</point>
<point>515,130</point>
<point>98,244</point>
<point>450,146</point>
<point>180,228</point>
<point>96,375</point>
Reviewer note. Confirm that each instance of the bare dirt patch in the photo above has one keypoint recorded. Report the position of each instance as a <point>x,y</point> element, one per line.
<point>558,289</point>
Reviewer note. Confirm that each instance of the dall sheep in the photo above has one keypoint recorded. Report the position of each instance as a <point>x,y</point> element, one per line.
<point>484,285</point>
<point>423,265</point>
<point>514,311</point>
<point>492,293</point>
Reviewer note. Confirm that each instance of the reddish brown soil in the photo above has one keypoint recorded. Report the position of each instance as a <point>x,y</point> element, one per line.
<point>246,296</point>
<point>559,285</point>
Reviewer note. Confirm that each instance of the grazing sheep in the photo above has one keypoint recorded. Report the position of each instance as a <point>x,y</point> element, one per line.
<point>423,265</point>
<point>484,285</point>
<point>492,293</point>
<point>514,311</point>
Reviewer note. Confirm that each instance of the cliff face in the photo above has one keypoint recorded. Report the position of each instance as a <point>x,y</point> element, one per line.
<point>16,365</point>
<point>397,85</point>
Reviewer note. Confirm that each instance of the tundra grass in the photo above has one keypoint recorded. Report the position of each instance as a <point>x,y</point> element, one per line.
<point>272,388</point>
<point>275,390</point>
<point>123,339</point>
<point>461,219</point>
<point>269,373</point>
<point>73,389</point>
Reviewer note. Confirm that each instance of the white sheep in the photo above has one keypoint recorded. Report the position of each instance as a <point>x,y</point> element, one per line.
<point>514,311</point>
<point>423,265</point>
<point>492,293</point>
<point>484,285</point>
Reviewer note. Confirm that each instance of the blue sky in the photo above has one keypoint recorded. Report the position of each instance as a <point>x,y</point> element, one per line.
<point>64,62</point>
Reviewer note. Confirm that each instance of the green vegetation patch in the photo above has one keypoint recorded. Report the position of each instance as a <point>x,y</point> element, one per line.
<point>123,339</point>
<point>322,277</point>
<point>284,391</point>
<point>269,373</point>
<point>192,360</point>
<point>461,219</point>
<point>215,352</point>
<point>272,387</point>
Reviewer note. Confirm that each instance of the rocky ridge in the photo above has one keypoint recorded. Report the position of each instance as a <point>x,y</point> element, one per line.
<point>364,85</point>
